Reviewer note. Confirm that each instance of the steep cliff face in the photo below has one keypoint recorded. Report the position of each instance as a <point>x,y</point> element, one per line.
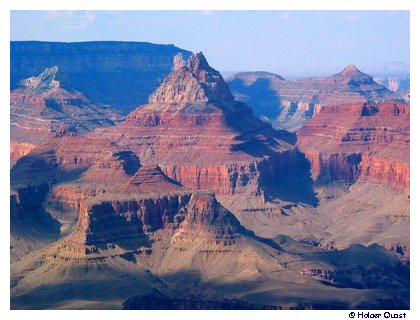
<point>206,219</point>
<point>111,221</point>
<point>385,170</point>
<point>199,135</point>
<point>222,179</point>
<point>334,166</point>
<point>120,74</point>
<point>370,141</point>
<point>233,178</point>
<point>288,104</point>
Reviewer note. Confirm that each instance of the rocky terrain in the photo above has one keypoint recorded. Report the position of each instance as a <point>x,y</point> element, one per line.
<point>287,104</point>
<point>200,136</point>
<point>169,241</point>
<point>119,74</point>
<point>192,202</point>
<point>366,140</point>
<point>44,104</point>
<point>362,149</point>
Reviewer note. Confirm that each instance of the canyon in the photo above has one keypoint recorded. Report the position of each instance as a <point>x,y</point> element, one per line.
<point>192,202</point>
<point>287,104</point>
<point>365,140</point>
<point>357,151</point>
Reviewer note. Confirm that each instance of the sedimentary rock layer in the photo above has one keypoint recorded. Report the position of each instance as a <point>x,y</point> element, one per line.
<point>370,141</point>
<point>199,135</point>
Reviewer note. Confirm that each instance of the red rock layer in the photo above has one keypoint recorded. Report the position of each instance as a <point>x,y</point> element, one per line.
<point>334,166</point>
<point>198,134</point>
<point>382,169</point>
<point>118,196</point>
<point>111,221</point>
<point>368,140</point>
<point>232,178</point>
<point>206,219</point>
<point>60,158</point>
<point>106,190</point>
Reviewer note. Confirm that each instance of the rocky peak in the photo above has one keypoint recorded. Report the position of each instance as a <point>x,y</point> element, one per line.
<point>352,76</point>
<point>179,62</point>
<point>351,68</point>
<point>204,211</point>
<point>50,79</point>
<point>150,175</point>
<point>198,63</point>
<point>192,82</point>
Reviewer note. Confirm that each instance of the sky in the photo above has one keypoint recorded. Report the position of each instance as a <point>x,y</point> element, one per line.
<point>291,43</point>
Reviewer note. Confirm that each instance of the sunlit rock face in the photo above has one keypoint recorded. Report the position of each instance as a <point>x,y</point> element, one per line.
<point>370,141</point>
<point>199,135</point>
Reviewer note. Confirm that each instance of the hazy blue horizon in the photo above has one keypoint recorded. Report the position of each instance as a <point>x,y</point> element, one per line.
<point>290,43</point>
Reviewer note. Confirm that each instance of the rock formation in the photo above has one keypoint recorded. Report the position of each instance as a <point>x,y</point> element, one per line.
<point>61,158</point>
<point>206,219</point>
<point>45,104</point>
<point>360,161</point>
<point>370,141</point>
<point>288,104</point>
<point>199,135</point>
<point>115,73</point>
<point>121,217</point>
<point>204,139</point>
<point>191,247</point>
<point>198,265</point>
